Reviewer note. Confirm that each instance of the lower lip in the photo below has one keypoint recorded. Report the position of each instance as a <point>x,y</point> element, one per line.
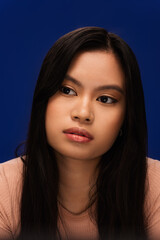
<point>77,138</point>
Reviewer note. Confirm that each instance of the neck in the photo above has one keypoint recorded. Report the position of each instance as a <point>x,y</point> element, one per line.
<point>77,179</point>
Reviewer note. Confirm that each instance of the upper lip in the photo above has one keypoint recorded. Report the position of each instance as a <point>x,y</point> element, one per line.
<point>79,131</point>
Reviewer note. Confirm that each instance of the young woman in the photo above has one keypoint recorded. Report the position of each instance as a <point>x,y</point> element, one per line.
<point>84,173</point>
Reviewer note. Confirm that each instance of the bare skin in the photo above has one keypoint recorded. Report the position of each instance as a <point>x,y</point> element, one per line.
<point>76,180</point>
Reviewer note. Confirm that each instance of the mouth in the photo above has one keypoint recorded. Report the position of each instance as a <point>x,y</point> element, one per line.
<point>78,135</point>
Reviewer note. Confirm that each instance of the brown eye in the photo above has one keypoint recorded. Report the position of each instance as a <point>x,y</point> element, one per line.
<point>106,99</point>
<point>67,91</point>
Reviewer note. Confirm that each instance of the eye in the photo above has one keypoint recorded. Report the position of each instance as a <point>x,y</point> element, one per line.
<point>106,99</point>
<point>67,91</point>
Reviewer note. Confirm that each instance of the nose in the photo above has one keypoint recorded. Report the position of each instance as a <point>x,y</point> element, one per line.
<point>82,112</point>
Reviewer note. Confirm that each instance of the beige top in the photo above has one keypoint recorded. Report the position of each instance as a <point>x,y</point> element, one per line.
<point>79,227</point>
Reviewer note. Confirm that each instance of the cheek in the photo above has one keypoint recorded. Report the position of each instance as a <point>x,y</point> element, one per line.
<point>52,113</point>
<point>110,126</point>
<point>55,110</point>
<point>117,121</point>
<point>112,120</point>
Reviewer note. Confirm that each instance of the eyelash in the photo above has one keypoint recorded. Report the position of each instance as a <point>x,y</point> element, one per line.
<point>111,101</point>
<point>63,89</point>
<point>67,88</point>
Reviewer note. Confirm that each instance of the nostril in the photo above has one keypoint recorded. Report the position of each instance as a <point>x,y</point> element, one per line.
<point>81,118</point>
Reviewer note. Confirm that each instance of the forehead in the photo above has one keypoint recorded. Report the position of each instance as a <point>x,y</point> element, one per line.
<point>96,68</point>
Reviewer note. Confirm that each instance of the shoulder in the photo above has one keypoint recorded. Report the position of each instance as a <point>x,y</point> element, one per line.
<point>11,173</point>
<point>9,167</point>
<point>153,164</point>
<point>153,197</point>
<point>153,176</point>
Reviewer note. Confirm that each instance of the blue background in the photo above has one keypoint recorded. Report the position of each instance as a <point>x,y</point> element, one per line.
<point>28,28</point>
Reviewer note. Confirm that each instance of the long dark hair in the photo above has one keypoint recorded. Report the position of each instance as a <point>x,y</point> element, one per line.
<point>121,183</point>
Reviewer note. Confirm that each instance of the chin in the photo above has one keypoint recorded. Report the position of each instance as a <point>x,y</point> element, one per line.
<point>75,155</point>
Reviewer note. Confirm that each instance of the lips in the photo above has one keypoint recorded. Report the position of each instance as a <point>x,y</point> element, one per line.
<point>79,132</point>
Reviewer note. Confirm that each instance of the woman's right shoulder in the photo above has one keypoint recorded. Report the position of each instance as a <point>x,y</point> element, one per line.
<point>11,169</point>
<point>11,175</point>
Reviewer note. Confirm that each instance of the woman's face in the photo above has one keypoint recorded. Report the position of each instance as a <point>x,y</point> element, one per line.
<point>84,118</point>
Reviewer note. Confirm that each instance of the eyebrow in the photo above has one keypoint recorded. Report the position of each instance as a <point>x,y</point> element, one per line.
<point>104,87</point>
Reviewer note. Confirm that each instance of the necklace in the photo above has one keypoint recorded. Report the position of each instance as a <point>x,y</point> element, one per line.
<point>73,213</point>
<point>63,220</point>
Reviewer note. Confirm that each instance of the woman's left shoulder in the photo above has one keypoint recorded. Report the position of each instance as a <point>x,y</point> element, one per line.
<point>153,176</point>
<point>152,162</point>
<point>153,168</point>
<point>152,209</point>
